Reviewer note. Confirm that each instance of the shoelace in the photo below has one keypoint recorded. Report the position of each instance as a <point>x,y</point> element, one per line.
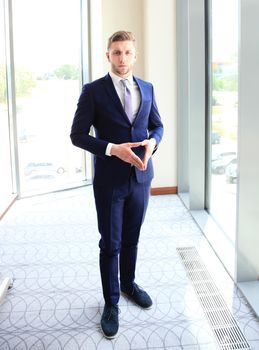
<point>137,288</point>
<point>113,311</point>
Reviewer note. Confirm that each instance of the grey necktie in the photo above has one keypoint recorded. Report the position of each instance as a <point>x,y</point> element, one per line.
<point>127,100</point>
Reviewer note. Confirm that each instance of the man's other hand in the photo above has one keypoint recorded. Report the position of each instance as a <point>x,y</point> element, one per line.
<point>125,153</point>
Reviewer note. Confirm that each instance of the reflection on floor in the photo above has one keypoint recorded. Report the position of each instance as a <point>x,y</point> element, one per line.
<point>49,246</point>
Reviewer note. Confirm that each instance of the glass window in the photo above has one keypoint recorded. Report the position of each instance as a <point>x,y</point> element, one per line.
<point>6,187</point>
<point>223,55</point>
<point>47,75</point>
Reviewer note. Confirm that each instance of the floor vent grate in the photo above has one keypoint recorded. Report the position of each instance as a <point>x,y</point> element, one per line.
<point>223,324</point>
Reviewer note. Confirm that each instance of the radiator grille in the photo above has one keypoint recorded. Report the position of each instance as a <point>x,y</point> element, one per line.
<point>223,324</point>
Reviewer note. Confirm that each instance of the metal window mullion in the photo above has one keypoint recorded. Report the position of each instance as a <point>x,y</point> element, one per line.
<point>85,58</point>
<point>11,95</point>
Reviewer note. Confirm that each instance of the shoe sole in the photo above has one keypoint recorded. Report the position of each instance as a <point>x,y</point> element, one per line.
<point>110,337</point>
<point>133,301</point>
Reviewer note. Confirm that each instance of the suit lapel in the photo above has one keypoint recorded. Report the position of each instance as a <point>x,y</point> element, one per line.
<point>110,89</point>
<point>141,97</point>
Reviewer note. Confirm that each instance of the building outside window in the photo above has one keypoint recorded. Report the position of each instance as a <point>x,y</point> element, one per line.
<point>223,114</point>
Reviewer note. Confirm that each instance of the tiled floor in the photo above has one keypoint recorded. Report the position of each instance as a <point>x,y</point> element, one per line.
<point>49,247</point>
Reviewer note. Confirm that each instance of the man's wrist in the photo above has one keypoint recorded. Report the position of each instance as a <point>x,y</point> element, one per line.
<point>108,149</point>
<point>153,141</point>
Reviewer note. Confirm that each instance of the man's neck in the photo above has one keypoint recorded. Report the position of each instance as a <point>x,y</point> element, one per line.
<point>126,76</point>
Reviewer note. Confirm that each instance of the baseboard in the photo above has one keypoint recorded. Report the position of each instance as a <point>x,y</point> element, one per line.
<point>163,190</point>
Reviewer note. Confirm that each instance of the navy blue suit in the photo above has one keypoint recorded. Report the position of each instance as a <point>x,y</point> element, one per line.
<point>121,190</point>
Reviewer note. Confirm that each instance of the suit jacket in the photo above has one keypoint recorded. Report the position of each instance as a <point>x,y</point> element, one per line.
<point>99,106</point>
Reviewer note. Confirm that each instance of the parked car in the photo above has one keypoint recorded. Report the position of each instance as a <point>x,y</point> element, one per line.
<point>231,172</point>
<point>43,168</point>
<point>219,164</point>
<point>217,155</point>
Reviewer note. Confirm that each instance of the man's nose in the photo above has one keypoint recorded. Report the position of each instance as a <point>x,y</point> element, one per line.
<point>122,57</point>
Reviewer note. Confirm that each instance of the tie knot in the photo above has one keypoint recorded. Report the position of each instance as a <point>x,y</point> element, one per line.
<point>125,82</point>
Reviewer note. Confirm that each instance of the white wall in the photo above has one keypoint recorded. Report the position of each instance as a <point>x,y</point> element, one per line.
<point>160,69</point>
<point>124,15</point>
<point>153,23</point>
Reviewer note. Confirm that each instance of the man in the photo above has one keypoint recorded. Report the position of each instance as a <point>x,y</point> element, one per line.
<point>128,129</point>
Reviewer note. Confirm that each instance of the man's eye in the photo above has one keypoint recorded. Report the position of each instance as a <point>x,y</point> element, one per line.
<point>116,53</point>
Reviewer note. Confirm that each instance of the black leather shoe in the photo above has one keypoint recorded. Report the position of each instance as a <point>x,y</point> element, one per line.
<point>110,321</point>
<point>139,296</point>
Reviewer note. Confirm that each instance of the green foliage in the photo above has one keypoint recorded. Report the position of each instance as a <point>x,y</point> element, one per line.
<point>67,71</point>
<point>25,80</point>
<point>217,128</point>
<point>24,83</point>
<point>3,91</point>
<point>229,83</point>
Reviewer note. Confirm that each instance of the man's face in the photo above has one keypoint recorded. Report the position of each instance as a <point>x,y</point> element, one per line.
<point>122,56</point>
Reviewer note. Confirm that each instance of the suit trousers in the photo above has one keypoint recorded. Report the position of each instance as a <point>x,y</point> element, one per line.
<point>120,212</point>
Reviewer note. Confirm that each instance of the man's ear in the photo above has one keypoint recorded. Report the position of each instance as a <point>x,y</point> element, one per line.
<point>108,56</point>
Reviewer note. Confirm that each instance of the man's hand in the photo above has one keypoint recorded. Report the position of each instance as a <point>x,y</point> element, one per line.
<point>124,152</point>
<point>149,145</point>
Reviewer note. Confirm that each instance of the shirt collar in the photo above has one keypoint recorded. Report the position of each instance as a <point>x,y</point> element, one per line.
<point>116,79</point>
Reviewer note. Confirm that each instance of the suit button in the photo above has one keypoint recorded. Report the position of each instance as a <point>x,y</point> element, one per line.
<point>132,128</point>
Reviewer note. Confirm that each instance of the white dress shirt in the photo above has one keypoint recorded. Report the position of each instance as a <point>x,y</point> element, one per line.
<point>133,87</point>
<point>135,94</point>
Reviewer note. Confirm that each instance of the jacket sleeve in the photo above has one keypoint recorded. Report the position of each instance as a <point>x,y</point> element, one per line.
<point>155,125</point>
<point>83,121</point>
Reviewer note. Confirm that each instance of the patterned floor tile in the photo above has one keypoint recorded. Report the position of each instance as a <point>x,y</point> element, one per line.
<point>49,247</point>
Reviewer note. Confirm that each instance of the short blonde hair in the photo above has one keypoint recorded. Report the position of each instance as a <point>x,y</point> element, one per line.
<point>121,35</point>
